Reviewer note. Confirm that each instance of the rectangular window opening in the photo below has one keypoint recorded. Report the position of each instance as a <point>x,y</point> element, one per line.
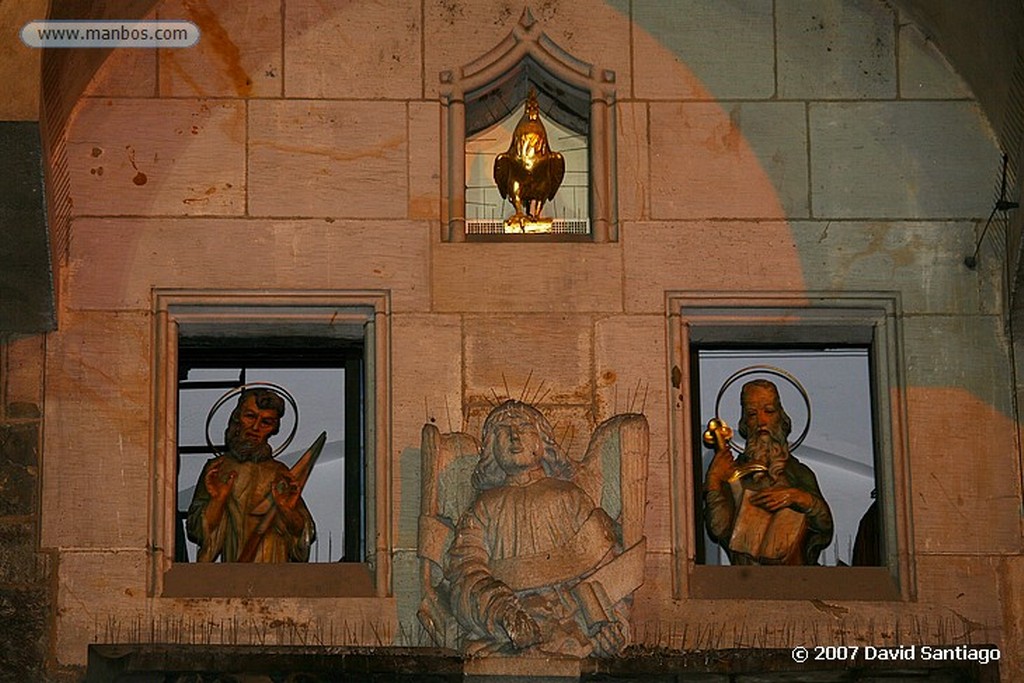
<point>845,349</point>
<point>325,377</point>
<point>840,447</point>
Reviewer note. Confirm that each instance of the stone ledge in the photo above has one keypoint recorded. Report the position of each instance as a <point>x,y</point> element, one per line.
<point>154,662</point>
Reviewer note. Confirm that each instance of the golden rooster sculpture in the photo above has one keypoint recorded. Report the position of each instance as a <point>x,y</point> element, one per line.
<point>529,173</point>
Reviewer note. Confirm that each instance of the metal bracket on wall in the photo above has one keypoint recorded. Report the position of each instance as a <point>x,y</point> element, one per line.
<point>1002,204</point>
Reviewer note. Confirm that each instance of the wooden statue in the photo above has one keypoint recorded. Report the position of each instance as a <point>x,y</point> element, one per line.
<point>247,506</point>
<point>763,507</point>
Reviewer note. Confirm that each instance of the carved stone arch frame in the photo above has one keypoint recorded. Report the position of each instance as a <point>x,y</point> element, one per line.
<point>527,46</point>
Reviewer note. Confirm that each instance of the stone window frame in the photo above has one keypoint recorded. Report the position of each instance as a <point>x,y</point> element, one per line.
<point>320,313</point>
<point>528,43</point>
<point>775,319</point>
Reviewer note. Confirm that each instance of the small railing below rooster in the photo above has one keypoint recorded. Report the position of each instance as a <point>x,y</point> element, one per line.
<point>557,226</point>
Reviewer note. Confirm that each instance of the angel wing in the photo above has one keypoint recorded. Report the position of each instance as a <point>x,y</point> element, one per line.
<point>447,462</point>
<point>614,472</point>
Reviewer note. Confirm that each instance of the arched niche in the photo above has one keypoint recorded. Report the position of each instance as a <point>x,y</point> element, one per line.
<point>574,94</point>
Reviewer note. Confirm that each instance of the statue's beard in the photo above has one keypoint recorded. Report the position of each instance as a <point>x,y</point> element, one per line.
<point>246,449</point>
<point>770,450</point>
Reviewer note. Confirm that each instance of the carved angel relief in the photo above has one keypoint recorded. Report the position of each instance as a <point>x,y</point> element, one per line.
<point>524,550</point>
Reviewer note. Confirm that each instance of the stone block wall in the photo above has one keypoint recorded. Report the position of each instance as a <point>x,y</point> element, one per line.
<point>26,575</point>
<point>760,146</point>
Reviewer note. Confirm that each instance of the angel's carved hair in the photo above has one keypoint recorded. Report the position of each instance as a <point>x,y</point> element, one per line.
<point>488,473</point>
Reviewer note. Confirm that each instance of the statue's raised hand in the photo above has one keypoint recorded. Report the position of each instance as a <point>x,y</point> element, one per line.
<point>777,498</point>
<point>717,437</point>
<point>219,485</point>
<point>286,491</point>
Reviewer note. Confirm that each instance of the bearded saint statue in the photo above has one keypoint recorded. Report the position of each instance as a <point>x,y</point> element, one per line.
<point>231,516</point>
<point>765,507</point>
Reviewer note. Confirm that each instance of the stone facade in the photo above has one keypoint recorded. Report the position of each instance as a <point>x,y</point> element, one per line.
<point>760,147</point>
<point>26,575</point>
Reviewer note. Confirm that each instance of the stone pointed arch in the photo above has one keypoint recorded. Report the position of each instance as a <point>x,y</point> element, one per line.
<point>577,94</point>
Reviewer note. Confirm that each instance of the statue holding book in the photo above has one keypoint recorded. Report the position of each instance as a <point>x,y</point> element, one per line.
<point>527,551</point>
<point>763,506</point>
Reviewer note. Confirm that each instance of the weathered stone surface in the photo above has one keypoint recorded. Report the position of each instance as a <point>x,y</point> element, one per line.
<point>838,49</point>
<point>323,61</point>
<point>19,445</point>
<point>711,160</point>
<point>1011,594</point>
<point>19,468</point>
<point>18,60</point>
<point>427,354</point>
<point>634,164</point>
<point>158,157</point>
<point>933,151</point>
<point>660,491</point>
<point>21,410</point>
<point>973,598</point>
<point>527,277</point>
<point>100,600</point>
<point>458,33</point>
<point>98,433</point>
<point>964,474</point>
<point>406,571</point>
<point>923,261</point>
<point>21,377</point>
<point>238,54</point>
<point>24,613</point>
<point>103,600</point>
<point>924,72</point>
<point>126,73</point>
<point>503,350</point>
<point>960,352</point>
<point>424,160</point>
<point>320,158</point>
<point>650,600</point>
<point>313,254</point>
<point>19,562</point>
<point>698,50</point>
<point>706,256</point>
